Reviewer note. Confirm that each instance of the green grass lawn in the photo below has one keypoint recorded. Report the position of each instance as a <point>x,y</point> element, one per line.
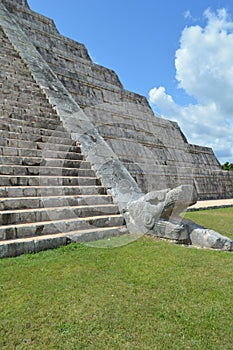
<point>149,294</point>
<point>220,220</point>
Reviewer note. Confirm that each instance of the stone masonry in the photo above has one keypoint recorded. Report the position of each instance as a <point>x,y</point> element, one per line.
<point>154,150</point>
<point>46,184</point>
<point>81,157</point>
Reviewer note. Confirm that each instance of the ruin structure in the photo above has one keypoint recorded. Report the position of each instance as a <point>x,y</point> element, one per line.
<point>81,156</point>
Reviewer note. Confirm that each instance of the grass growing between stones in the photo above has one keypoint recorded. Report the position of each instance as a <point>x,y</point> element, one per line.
<point>220,220</point>
<point>149,294</point>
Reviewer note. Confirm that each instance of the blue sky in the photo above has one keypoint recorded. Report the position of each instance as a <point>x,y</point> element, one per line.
<point>175,52</point>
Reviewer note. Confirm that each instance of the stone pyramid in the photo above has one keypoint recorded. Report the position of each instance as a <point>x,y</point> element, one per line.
<point>76,147</point>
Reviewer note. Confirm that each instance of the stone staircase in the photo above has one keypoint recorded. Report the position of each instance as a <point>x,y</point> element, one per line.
<point>47,187</point>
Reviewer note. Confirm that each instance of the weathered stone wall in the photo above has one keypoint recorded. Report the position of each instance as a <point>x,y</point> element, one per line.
<point>49,193</point>
<point>154,150</point>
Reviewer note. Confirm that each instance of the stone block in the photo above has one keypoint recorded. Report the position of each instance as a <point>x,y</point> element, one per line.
<point>206,238</point>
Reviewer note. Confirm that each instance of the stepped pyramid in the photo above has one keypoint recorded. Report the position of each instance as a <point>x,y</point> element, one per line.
<point>46,185</point>
<point>75,145</point>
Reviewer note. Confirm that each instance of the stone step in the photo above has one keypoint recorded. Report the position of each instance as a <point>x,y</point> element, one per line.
<point>25,94</point>
<point>39,145</point>
<point>26,152</point>
<point>16,64</point>
<point>42,191</point>
<point>41,119</point>
<point>15,76</point>
<point>20,216</point>
<point>10,74</point>
<point>16,247</point>
<point>44,170</point>
<point>35,138</point>
<point>36,191</point>
<point>43,181</point>
<point>15,110</point>
<point>21,88</point>
<point>14,72</point>
<point>59,226</point>
<point>44,162</point>
<point>53,201</point>
<point>18,126</point>
<point>6,50</point>
<point>22,96</point>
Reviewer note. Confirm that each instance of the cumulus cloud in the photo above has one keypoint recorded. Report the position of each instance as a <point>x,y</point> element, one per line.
<point>204,70</point>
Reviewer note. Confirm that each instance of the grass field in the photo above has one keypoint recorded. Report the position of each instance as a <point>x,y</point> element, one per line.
<point>149,294</point>
<point>220,220</point>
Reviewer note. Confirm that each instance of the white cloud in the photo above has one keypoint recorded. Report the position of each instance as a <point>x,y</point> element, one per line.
<point>204,70</point>
<point>187,14</point>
